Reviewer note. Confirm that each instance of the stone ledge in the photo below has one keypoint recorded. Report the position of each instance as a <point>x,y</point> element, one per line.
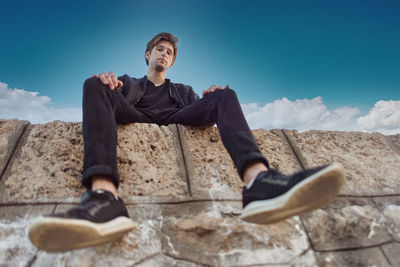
<point>212,174</point>
<point>10,133</point>
<point>210,233</point>
<point>47,166</point>
<point>360,257</point>
<point>372,167</point>
<point>347,223</point>
<point>185,219</point>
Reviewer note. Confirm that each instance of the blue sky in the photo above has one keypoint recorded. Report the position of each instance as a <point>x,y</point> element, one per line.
<point>345,52</point>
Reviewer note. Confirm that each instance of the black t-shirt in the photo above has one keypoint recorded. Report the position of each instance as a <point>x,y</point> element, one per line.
<point>156,98</point>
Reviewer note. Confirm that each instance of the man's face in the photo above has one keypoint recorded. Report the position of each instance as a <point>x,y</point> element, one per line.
<point>161,56</point>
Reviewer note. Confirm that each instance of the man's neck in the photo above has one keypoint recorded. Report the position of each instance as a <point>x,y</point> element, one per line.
<point>158,78</point>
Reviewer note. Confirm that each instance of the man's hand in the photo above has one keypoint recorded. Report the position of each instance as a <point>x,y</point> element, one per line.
<point>109,79</point>
<point>214,88</point>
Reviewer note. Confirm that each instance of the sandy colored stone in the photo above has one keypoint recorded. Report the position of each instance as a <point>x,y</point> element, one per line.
<point>135,247</point>
<point>394,142</point>
<point>392,252</point>
<point>150,163</point>
<point>15,247</point>
<point>372,167</point>
<point>359,257</point>
<point>212,234</point>
<point>307,259</point>
<point>12,213</point>
<point>210,168</point>
<point>390,208</point>
<point>346,223</point>
<point>162,260</point>
<point>10,132</point>
<point>48,166</point>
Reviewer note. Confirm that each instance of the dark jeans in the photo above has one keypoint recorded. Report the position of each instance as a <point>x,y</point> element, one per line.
<point>103,109</point>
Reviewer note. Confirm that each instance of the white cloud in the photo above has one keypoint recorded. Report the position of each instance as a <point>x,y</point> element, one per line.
<point>308,114</point>
<point>383,117</point>
<point>301,114</point>
<point>25,105</point>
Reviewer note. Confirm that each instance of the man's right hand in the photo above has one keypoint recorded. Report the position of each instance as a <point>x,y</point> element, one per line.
<point>109,79</point>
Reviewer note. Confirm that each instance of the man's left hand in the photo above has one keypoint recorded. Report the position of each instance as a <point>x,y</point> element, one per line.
<point>214,88</point>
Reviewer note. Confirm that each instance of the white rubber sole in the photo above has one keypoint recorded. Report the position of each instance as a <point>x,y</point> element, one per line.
<point>58,235</point>
<point>312,193</point>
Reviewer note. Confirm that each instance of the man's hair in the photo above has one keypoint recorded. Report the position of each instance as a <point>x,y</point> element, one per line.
<point>164,36</point>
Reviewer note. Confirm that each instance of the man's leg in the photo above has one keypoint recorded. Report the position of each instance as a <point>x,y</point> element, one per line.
<point>102,110</point>
<point>101,217</point>
<point>268,195</point>
<point>223,108</point>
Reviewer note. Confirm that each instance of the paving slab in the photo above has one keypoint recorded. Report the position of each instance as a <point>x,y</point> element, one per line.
<point>47,166</point>
<point>10,132</point>
<point>135,247</point>
<point>372,166</point>
<point>346,223</point>
<point>210,233</point>
<point>360,257</point>
<point>211,171</point>
<point>15,247</point>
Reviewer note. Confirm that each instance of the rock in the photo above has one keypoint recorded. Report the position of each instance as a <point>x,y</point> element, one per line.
<point>346,223</point>
<point>150,163</point>
<point>10,132</point>
<point>211,172</point>
<point>48,165</point>
<point>371,166</point>
<point>362,257</point>
<point>15,247</point>
<point>394,142</point>
<point>162,260</point>
<point>184,194</point>
<point>214,235</point>
<point>390,208</point>
<point>392,252</point>
<point>135,247</point>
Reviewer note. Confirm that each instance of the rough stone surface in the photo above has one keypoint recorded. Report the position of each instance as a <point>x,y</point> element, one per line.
<point>346,223</point>
<point>10,132</point>
<point>394,142</point>
<point>48,165</point>
<point>392,252</point>
<point>390,208</point>
<point>184,194</point>
<point>15,247</point>
<point>162,260</point>
<point>150,164</point>
<point>214,235</point>
<point>135,247</point>
<point>210,168</point>
<point>372,167</point>
<point>362,257</point>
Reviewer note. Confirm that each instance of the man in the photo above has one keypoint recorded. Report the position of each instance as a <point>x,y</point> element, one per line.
<point>107,101</point>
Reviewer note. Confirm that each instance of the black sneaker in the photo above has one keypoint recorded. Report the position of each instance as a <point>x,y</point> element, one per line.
<point>100,218</point>
<point>274,197</point>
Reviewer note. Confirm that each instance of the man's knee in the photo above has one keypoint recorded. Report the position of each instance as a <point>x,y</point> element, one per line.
<point>93,83</point>
<point>229,91</point>
<point>227,94</point>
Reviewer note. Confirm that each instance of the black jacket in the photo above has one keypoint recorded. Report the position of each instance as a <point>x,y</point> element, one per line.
<point>133,89</point>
